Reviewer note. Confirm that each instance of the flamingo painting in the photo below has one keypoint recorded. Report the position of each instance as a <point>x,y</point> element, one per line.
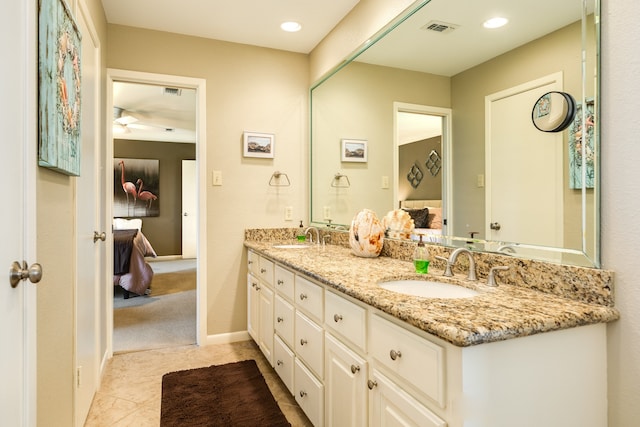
<point>128,187</point>
<point>145,196</point>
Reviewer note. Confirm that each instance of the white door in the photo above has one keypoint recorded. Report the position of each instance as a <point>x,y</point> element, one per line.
<point>18,121</point>
<point>89,253</point>
<point>523,168</point>
<point>189,209</point>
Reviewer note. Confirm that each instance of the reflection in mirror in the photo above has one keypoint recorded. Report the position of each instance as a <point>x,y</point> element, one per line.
<point>553,112</point>
<point>500,176</point>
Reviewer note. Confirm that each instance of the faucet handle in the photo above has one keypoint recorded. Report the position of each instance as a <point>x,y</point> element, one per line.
<point>491,279</point>
<point>447,270</point>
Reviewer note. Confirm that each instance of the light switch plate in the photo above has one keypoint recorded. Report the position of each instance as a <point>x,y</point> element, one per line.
<point>480,181</point>
<point>217,178</point>
<point>327,212</point>
<point>385,182</point>
<point>288,213</point>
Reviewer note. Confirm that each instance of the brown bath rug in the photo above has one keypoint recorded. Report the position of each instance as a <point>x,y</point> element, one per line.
<point>234,394</point>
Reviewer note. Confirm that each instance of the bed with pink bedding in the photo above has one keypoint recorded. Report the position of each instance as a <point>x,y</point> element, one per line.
<point>131,271</point>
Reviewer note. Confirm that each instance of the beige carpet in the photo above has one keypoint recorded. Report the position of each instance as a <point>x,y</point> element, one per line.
<point>164,318</point>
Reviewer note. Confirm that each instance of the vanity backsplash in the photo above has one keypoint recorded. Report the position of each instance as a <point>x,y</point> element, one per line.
<point>589,285</point>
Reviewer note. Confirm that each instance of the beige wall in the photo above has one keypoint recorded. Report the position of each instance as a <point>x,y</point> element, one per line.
<point>164,232</point>
<point>362,22</point>
<point>248,88</point>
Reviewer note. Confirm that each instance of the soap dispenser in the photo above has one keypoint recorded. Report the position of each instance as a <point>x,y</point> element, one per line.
<point>421,258</point>
<point>301,236</point>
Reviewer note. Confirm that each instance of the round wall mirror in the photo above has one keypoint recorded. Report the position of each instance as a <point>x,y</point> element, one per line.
<point>553,111</point>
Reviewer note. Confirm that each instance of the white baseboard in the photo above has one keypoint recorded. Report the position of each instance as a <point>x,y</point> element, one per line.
<point>227,338</point>
<point>163,258</point>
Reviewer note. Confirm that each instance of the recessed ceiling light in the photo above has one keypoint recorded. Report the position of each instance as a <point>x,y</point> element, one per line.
<point>291,26</point>
<point>496,22</point>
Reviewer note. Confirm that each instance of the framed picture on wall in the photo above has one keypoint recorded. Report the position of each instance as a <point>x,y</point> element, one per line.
<point>354,150</point>
<point>59,45</point>
<point>259,145</point>
<point>136,187</point>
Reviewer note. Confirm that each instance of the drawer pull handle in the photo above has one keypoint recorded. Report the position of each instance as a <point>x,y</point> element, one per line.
<point>302,297</point>
<point>303,341</point>
<point>254,284</point>
<point>279,363</point>
<point>249,262</point>
<point>263,270</point>
<point>280,320</point>
<point>394,354</point>
<point>257,288</point>
<point>337,317</point>
<point>372,384</point>
<point>280,282</point>
<point>303,393</point>
<point>355,368</point>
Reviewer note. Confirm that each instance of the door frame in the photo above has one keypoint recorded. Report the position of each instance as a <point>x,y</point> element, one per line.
<point>118,75</point>
<point>447,126</point>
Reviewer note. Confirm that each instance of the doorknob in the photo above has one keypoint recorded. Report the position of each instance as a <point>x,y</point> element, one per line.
<point>186,214</point>
<point>494,226</point>
<point>18,273</point>
<point>99,236</point>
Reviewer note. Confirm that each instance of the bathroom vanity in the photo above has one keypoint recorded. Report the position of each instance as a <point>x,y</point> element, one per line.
<point>355,354</point>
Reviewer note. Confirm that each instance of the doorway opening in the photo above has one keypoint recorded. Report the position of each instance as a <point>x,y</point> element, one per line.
<point>155,126</point>
<point>421,158</point>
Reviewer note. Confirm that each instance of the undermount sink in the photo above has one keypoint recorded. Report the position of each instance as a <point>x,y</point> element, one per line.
<point>428,289</point>
<point>292,246</point>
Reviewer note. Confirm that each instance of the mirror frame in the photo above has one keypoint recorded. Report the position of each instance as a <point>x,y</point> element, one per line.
<point>536,252</point>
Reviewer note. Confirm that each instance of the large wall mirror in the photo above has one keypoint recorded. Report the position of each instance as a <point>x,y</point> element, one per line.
<point>437,110</point>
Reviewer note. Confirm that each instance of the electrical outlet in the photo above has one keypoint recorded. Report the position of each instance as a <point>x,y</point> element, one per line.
<point>288,213</point>
<point>327,212</point>
<point>217,178</point>
<point>385,182</point>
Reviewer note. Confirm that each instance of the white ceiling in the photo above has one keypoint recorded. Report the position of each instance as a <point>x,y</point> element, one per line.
<point>257,22</point>
<point>253,22</point>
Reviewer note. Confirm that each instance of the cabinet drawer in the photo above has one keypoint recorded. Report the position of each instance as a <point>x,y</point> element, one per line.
<point>346,318</point>
<point>413,358</point>
<point>309,393</point>
<point>266,270</point>
<point>283,362</point>
<point>284,320</point>
<point>308,297</point>
<point>284,282</point>
<point>309,343</point>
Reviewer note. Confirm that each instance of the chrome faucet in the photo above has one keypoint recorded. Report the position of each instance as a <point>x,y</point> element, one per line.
<point>310,229</point>
<point>452,260</point>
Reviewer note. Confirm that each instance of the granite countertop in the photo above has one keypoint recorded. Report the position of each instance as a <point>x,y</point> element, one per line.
<point>498,313</point>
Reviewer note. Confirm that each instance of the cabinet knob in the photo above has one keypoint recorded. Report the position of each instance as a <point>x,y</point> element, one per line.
<point>249,262</point>
<point>279,363</point>
<point>372,384</point>
<point>355,368</point>
<point>254,284</point>
<point>263,270</point>
<point>303,393</point>
<point>280,320</point>
<point>394,354</point>
<point>303,341</point>
<point>337,317</point>
<point>280,282</point>
<point>257,288</point>
<point>302,297</point>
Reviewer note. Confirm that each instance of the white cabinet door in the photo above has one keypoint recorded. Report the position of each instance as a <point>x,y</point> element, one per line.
<point>309,393</point>
<point>345,385</point>
<point>284,320</point>
<point>253,307</point>
<point>392,406</point>
<point>266,322</point>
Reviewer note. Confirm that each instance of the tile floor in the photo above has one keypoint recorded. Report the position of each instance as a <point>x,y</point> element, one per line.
<point>131,389</point>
